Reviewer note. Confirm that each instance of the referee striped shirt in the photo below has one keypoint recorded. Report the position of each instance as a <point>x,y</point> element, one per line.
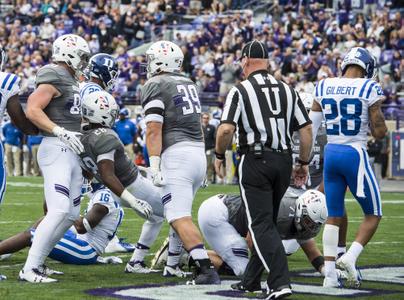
<point>264,110</point>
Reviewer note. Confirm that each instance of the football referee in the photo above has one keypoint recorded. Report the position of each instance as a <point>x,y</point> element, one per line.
<point>266,112</point>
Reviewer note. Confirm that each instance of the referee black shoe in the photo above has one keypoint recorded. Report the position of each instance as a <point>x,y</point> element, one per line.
<point>280,293</point>
<point>239,286</point>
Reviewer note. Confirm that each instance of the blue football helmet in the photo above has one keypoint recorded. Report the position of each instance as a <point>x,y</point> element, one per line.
<point>125,112</point>
<point>104,67</point>
<point>361,57</point>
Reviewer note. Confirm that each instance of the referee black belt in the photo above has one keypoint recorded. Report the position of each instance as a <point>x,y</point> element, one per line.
<point>251,149</point>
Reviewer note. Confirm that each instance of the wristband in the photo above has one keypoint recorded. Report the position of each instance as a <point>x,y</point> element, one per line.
<point>87,225</point>
<point>128,199</point>
<point>154,163</point>
<point>318,262</point>
<point>57,130</point>
<point>302,162</point>
<point>219,156</point>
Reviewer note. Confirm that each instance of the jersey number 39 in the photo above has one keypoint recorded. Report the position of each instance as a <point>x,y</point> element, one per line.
<point>352,115</point>
<point>190,99</point>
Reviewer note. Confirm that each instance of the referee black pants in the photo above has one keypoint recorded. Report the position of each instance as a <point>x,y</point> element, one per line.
<point>263,182</point>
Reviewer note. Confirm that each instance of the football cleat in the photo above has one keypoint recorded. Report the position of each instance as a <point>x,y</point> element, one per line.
<point>160,258</point>
<point>279,293</point>
<point>44,269</point>
<point>35,276</point>
<point>113,260</point>
<point>239,286</point>
<point>354,277</point>
<point>118,245</point>
<point>170,271</point>
<point>206,276</point>
<point>138,267</point>
<point>330,282</point>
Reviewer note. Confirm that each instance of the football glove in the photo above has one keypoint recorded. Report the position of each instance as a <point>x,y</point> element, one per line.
<point>141,207</point>
<point>70,138</point>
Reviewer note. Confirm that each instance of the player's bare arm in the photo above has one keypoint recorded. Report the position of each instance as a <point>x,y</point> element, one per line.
<point>106,168</point>
<point>224,137</point>
<point>91,219</point>
<point>313,254</point>
<point>154,138</point>
<point>18,116</point>
<point>377,122</point>
<point>36,104</point>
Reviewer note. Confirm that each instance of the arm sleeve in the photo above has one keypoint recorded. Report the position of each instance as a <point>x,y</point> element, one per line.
<point>301,117</point>
<point>316,117</point>
<point>374,93</point>
<point>47,75</point>
<point>152,103</point>
<point>232,107</point>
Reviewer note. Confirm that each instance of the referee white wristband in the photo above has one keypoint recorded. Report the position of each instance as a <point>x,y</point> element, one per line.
<point>87,225</point>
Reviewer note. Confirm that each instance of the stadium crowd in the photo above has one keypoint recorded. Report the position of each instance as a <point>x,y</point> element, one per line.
<point>306,43</point>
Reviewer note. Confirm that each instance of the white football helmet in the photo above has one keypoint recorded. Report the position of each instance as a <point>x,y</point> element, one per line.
<point>163,56</point>
<point>311,211</point>
<point>73,50</point>
<point>100,108</point>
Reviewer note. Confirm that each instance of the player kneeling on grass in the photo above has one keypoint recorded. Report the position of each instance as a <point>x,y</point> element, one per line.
<point>223,222</point>
<point>85,241</point>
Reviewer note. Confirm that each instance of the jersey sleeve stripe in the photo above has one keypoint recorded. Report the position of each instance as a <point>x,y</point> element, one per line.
<point>5,81</point>
<point>322,88</point>
<point>154,111</point>
<point>154,103</point>
<point>154,118</point>
<point>10,86</point>
<point>370,90</point>
<point>363,88</point>
<point>317,90</point>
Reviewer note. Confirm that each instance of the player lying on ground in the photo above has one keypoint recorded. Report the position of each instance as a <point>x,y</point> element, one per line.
<point>223,223</point>
<point>85,242</point>
<point>105,158</point>
<point>349,104</point>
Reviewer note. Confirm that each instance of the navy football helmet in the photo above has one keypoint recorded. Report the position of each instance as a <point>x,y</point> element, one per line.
<point>104,67</point>
<point>363,58</point>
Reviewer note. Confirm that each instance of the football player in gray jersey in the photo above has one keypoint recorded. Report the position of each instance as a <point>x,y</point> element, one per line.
<point>175,145</point>
<point>54,107</point>
<point>223,222</point>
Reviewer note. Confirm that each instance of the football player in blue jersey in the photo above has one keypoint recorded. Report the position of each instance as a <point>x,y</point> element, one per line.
<point>349,104</point>
<point>9,100</point>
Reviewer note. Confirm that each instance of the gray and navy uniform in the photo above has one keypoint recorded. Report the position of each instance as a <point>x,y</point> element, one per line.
<point>59,164</point>
<point>104,143</point>
<point>223,223</point>
<point>9,87</point>
<point>172,99</point>
<point>317,158</point>
<point>64,110</point>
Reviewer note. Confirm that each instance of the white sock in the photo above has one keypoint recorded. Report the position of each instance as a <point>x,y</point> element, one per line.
<point>150,231</point>
<point>48,233</point>
<point>354,251</point>
<point>330,244</point>
<point>199,252</point>
<point>174,249</point>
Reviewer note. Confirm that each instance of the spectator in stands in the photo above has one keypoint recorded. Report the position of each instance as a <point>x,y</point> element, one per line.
<point>12,144</point>
<point>228,71</point>
<point>126,131</point>
<point>209,133</point>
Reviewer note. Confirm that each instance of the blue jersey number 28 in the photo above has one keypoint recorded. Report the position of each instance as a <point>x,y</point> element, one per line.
<point>346,115</point>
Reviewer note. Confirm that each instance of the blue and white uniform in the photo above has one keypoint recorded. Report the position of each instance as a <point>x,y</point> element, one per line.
<point>83,249</point>
<point>345,103</point>
<point>87,88</point>
<point>9,86</point>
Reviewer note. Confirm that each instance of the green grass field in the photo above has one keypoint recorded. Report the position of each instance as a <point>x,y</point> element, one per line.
<point>23,205</point>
